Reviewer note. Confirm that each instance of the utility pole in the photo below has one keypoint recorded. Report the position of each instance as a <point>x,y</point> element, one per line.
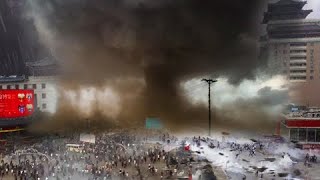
<point>209,81</point>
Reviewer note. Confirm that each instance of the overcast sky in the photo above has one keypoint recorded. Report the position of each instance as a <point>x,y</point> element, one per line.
<point>315,5</point>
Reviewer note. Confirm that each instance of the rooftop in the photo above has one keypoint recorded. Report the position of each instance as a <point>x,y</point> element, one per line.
<point>43,67</point>
<point>295,22</point>
<point>301,112</point>
<point>285,10</point>
<point>42,62</point>
<point>288,2</point>
<point>13,78</point>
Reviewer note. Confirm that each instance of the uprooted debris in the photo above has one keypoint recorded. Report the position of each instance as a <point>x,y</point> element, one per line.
<point>207,173</point>
<point>270,159</point>
<point>283,174</point>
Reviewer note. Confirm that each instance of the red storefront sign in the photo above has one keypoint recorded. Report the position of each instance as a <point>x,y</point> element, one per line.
<point>311,146</point>
<point>303,123</point>
<point>16,103</point>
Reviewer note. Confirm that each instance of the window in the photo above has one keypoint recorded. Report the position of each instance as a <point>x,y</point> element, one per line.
<point>44,106</point>
<point>17,86</point>
<point>298,51</point>
<point>44,95</point>
<point>297,78</point>
<point>8,87</point>
<point>311,77</point>
<point>298,71</point>
<point>295,64</point>
<point>43,86</point>
<point>311,135</point>
<point>0,87</point>
<point>298,64</point>
<point>284,52</point>
<point>294,135</point>
<point>25,86</point>
<point>318,135</point>
<point>298,57</point>
<point>302,135</point>
<point>298,44</point>
<point>34,86</point>
<point>311,71</point>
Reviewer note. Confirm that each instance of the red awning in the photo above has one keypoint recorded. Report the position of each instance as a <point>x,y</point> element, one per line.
<point>302,123</point>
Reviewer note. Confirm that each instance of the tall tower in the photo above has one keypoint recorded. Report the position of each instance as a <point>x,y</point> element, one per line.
<point>291,40</point>
<point>19,42</point>
<point>10,47</point>
<point>292,43</point>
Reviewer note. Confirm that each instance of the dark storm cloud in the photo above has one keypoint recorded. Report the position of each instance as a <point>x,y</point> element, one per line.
<point>161,42</point>
<point>98,39</point>
<point>270,97</point>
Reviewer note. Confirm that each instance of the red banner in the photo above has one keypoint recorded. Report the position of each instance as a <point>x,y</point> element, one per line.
<point>16,103</point>
<point>302,123</point>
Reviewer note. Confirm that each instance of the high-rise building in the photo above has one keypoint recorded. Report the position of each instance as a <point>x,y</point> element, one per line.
<point>19,42</point>
<point>292,42</point>
<point>10,47</point>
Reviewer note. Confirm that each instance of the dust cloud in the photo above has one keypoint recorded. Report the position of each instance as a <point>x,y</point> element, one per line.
<point>143,49</point>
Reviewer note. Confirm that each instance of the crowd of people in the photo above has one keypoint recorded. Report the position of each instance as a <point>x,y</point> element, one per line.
<point>118,155</point>
<point>236,147</point>
<point>308,158</point>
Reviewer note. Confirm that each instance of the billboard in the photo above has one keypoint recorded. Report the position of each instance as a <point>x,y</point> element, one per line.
<point>16,103</point>
<point>153,123</point>
<point>300,123</point>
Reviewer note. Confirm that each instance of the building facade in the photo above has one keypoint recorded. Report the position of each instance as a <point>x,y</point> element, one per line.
<point>303,124</point>
<point>44,88</point>
<point>292,42</point>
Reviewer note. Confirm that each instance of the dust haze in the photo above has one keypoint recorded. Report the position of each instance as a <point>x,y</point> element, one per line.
<point>306,93</point>
<point>144,49</point>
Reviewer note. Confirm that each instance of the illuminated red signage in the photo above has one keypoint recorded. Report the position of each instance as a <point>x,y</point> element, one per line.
<point>16,103</point>
<point>303,123</point>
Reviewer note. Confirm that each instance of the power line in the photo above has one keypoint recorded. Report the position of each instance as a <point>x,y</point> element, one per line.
<point>209,81</point>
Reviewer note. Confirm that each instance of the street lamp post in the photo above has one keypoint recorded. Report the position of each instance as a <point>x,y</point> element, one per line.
<point>209,81</point>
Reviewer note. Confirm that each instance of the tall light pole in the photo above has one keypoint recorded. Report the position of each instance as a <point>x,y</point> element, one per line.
<point>209,81</point>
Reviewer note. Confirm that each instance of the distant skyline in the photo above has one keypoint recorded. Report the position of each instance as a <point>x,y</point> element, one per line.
<point>315,6</point>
